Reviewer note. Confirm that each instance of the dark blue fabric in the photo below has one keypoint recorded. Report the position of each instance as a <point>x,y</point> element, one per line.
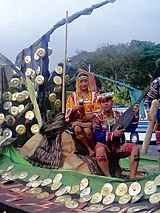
<point>158,115</point>
<point>43,63</point>
<point>132,127</point>
<point>99,134</point>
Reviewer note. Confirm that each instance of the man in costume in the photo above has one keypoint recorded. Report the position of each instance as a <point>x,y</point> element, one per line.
<point>110,144</point>
<point>152,94</point>
<point>79,111</point>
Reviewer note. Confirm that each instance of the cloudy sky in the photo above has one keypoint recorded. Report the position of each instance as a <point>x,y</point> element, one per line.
<point>24,21</point>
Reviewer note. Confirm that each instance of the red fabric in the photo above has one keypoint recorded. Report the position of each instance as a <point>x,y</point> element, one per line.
<point>158,138</point>
<point>119,151</point>
<point>99,145</point>
<point>127,147</point>
<point>115,147</point>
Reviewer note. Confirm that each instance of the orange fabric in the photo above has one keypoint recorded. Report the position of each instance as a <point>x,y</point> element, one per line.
<point>88,105</point>
<point>90,101</point>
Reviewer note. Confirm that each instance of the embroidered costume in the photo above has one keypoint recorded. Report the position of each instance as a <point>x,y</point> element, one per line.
<point>154,93</point>
<point>79,112</point>
<point>110,144</point>
<point>74,100</point>
<point>103,134</point>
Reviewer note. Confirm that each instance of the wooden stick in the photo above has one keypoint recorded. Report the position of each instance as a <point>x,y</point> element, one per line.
<point>65,63</point>
<point>151,124</point>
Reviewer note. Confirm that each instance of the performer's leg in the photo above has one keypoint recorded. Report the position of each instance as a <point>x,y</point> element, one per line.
<point>80,135</point>
<point>89,137</point>
<point>134,162</point>
<point>102,159</point>
<point>134,157</point>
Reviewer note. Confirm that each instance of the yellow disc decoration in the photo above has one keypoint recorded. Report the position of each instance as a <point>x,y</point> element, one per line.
<point>20,129</point>
<point>52,97</point>
<point>35,128</point>
<point>58,70</point>
<point>27,59</point>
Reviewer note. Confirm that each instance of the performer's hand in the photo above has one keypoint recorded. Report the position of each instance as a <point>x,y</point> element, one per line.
<point>118,132</point>
<point>136,108</point>
<point>89,116</point>
<point>79,108</point>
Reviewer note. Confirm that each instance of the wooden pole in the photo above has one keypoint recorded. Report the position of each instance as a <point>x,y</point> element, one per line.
<point>151,124</point>
<point>65,63</point>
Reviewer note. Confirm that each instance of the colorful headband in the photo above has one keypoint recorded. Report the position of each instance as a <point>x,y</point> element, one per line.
<point>105,95</point>
<point>82,75</point>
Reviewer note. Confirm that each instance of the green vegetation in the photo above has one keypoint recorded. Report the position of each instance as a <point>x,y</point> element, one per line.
<point>132,64</point>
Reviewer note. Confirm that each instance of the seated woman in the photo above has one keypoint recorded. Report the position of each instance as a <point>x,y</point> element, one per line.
<point>111,144</point>
<point>79,111</point>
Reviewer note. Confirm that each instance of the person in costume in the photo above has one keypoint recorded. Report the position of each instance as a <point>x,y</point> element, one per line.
<point>109,143</point>
<point>152,94</point>
<point>79,111</point>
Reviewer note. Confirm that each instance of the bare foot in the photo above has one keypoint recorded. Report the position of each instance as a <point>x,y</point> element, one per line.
<point>140,174</point>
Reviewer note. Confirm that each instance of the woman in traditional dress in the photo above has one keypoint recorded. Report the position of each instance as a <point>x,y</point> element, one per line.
<point>79,111</point>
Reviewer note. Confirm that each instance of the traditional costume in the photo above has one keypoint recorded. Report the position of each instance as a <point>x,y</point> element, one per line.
<point>114,147</point>
<point>82,120</point>
<point>81,117</point>
<point>75,99</point>
<point>154,93</point>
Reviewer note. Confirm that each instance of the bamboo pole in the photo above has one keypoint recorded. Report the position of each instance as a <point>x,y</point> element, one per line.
<point>65,63</point>
<point>151,124</point>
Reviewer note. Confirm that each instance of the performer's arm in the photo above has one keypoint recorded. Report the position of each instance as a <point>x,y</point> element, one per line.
<point>69,107</point>
<point>152,94</point>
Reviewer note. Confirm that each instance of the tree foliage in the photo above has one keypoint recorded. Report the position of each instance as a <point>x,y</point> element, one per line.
<point>131,63</point>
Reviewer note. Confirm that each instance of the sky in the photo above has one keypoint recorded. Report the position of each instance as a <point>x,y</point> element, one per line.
<point>22,22</point>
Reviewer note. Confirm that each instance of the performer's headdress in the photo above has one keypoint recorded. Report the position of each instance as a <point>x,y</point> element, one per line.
<point>82,75</point>
<point>105,96</point>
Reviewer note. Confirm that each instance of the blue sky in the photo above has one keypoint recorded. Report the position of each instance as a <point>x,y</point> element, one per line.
<point>24,21</point>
